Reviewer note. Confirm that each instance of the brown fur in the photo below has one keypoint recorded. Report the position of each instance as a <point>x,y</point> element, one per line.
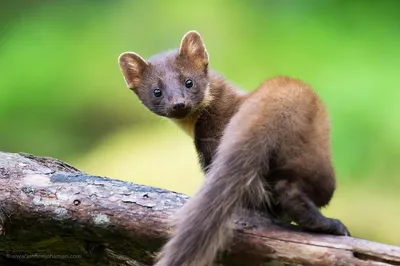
<point>268,149</point>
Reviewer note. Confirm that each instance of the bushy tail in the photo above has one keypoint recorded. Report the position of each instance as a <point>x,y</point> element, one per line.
<point>234,179</point>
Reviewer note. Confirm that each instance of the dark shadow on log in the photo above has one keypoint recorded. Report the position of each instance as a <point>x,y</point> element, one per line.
<point>54,214</point>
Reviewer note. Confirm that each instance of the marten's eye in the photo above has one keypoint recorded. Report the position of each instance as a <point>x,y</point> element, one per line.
<point>157,93</point>
<point>188,83</point>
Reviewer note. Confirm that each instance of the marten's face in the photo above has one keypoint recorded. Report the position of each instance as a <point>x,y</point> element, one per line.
<point>171,84</point>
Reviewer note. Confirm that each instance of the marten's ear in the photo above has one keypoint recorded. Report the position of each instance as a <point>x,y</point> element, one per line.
<point>193,48</point>
<point>132,66</point>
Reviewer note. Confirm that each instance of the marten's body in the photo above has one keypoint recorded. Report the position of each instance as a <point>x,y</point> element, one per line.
<point>268,149</point>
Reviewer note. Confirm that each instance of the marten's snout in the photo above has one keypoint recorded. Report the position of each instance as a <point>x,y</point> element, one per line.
<point>178,104</point>
<point>179,108</point>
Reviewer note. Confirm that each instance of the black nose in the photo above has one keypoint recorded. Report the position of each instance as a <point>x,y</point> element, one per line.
<point>178,104</point>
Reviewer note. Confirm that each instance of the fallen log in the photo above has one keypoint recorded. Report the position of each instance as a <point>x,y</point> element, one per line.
<point>54,214</point>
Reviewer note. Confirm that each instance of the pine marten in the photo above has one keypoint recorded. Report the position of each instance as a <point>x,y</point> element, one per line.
<point>268,149</point>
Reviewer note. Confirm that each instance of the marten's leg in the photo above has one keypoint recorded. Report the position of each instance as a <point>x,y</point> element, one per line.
<point>296,204</point>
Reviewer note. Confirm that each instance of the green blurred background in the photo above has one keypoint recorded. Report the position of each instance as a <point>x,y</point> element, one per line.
<point>63,95</point>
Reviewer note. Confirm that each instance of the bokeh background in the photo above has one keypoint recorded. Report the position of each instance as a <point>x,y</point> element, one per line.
<point>63,95</point>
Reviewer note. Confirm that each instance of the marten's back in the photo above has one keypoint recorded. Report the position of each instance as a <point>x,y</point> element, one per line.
<point>301,134</point>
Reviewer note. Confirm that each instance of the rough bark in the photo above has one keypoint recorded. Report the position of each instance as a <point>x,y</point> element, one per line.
<point>54,214</point>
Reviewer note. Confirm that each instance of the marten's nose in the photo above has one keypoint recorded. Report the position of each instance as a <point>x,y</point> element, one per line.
<point>178,104</point>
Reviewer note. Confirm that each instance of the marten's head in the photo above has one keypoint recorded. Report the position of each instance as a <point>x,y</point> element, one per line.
<point>172,84</point>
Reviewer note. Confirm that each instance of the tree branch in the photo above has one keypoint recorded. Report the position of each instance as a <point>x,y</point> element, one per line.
<point>54,214</point>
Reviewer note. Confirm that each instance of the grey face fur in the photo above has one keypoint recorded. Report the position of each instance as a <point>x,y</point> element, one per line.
<point>173,83</point>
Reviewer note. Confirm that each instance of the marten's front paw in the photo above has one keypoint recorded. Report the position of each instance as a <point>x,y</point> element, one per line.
<point>338,228</point>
